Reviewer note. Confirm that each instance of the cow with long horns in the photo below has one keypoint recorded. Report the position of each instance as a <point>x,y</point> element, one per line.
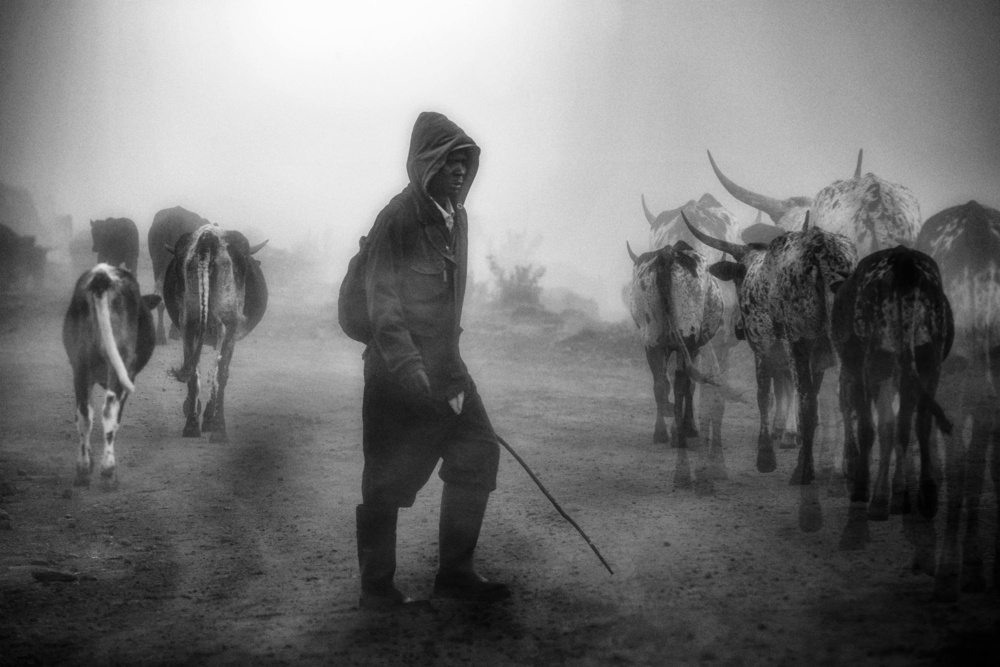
<point>216,294</point>
<point>785,294</point>
<point>868,210</point>
<point>965,242</point>
<point>677,307</point>
<point>169,225</point>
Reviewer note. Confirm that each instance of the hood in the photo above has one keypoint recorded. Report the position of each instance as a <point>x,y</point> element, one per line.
<point>434,136</point>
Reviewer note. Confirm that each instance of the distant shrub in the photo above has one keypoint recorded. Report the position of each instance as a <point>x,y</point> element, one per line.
<point>518,287</point>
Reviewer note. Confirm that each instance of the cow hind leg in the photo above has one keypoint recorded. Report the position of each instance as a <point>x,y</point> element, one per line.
<point>878,510</point>
<point>807,385</point>
<point>661,387</point>
<point>766,460</point>
<point>161,336</point>
<point>219,433</point>
<point>114,402</point>
<point>192,407</point>
<point>84,423</point>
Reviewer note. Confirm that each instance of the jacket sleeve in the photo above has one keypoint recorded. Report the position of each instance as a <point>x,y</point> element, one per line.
<point>390,336</point>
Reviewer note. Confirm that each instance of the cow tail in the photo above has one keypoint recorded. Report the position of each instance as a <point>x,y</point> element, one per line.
<point>102,313</point>
<point>907,364</point>
<point>203,287</point>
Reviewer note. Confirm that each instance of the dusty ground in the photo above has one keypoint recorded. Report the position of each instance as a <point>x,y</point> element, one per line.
<point>244,553</point>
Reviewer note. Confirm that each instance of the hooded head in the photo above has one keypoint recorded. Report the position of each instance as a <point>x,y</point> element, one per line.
<point>433,138</point>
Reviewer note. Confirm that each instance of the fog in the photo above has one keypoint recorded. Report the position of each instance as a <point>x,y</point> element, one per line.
<point>290,120</point>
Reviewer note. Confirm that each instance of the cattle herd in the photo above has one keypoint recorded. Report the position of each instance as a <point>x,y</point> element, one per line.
<point>849,281</point>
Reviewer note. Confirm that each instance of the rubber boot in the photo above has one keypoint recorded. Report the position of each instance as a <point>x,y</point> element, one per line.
<point>377,558</point>
<point>462,510</point>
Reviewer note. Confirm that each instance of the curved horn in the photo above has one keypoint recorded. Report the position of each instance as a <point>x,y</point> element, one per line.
<point>256,248</point>
<point>760,214</point>
<point>857,170</point>
<point>734,249</point>
<point>805,225</point>
<point>649,216</point>
<point>773,207</point>
<point>635,258</point>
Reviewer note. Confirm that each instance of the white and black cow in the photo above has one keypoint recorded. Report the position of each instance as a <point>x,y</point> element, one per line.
<point>677,307</point>
<point>167,228</point>
<point>785,294</point>
<point>893,328</point>
<point>668,228</point>
<point>108,336</point>
<point>873,213</point>
<point>965,242</point>
<point>215,293</point>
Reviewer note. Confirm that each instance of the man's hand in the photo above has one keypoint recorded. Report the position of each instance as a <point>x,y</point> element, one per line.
<point>456,402</point>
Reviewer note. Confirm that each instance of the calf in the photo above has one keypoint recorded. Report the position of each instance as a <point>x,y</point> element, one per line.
<point>116,242</point>
<point>893,327</point>
<point>677,307</point>
<point>108,336</point>
<point>167,228</point>
<point>215,292</point>
<point>965,242</point>
<point>785,294</point>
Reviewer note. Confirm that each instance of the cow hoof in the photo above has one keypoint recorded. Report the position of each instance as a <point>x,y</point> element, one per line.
<point>108,473</point>
<point>218,436</point>
<point>192,432</point>
<point>789,441</point>
<point>690,432</point>
<point>82,480</point>
<point>766,460</point>
<point>801,476</point>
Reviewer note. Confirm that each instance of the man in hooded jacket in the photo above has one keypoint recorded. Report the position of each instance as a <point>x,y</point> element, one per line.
<point>420,404</point>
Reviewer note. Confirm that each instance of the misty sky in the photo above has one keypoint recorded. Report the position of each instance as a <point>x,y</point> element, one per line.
<point>291,119</point>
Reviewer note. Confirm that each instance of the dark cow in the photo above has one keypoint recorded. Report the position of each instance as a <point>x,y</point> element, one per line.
<point>108,336</point>
<point>666,229</point>
<point>785,293</point>
<point>965,242</point>
<point>21,261</point>
<point>871,212</point>
<point>167,228</point>
<point>216,294</point>
<point>677,307</point>
<point>116,242</point>
<point>893,327</point>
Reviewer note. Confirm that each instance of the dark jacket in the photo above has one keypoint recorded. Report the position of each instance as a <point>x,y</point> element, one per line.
<point>416,270</point>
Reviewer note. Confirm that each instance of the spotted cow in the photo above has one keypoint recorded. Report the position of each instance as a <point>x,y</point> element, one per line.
<point>116,242</point>
<point>893,328</point>
<point>108,336</point>
<point>666,229</point>
<point>965,242</point>
<point>785,294</point>
<point>215,293</point>
<point>167,228</point>
<point>677,307</point>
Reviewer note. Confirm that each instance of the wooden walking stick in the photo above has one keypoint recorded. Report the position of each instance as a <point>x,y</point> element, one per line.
<point>553,500</point>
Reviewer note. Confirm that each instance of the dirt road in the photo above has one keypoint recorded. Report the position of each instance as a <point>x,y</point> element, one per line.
<point>244,553</point>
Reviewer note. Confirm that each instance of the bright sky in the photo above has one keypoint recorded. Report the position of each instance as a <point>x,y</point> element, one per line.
<point>291,119</point>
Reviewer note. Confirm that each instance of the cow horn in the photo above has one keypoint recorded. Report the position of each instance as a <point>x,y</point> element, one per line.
<point>773,207</point>
<point>256,248</point>
<point>805,225</point>
<point>735,249</point>
<point>649,216</point>
<point>635,258</point>
<point>857,170</point>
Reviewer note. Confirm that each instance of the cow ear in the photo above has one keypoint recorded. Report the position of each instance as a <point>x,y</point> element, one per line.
<point>728,270</point>
<point>151,300</point>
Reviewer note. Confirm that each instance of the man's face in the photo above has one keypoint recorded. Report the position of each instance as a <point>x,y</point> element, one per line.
<point>449,178</point>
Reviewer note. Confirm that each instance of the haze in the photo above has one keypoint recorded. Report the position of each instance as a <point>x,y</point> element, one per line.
<point>291,120</point>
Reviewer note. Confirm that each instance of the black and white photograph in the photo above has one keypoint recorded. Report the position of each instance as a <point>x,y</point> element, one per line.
<point>520,332</point>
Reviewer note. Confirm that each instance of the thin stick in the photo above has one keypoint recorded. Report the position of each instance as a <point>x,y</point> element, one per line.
<point>553,500</point>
